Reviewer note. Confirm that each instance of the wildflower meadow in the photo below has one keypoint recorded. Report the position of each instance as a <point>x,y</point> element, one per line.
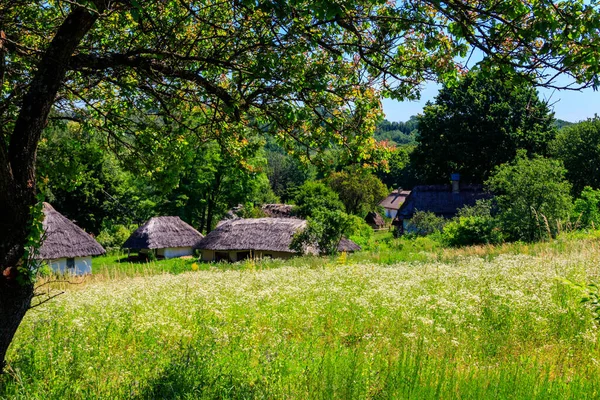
<point>463,326</point>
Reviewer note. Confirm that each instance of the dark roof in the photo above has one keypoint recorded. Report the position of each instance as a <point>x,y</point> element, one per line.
<point>395,199</point>
<point>440,200</point>
<point>64,239</point>
<point>348,246</point>
<point>261,234</point>
<point>162,233</point>
<point>374,219</point>
<point>278,210</point>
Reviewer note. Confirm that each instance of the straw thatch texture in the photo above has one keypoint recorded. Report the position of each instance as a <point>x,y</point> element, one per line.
<point>260,234</point>
<point>266,234</point>
<point>348,246</point>
<point>64,239</point>
<point>278,210</point>
<point>374,220</point>
<point>162,233</point>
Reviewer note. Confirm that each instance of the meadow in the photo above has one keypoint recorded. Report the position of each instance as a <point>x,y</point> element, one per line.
<point>403,319</point>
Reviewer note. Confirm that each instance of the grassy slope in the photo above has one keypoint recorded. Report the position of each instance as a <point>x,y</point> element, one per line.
<point>469,323</point>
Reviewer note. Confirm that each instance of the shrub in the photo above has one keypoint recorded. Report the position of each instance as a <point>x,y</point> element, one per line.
<point>314,196</point>
<point>532,196</point>
<point>465,231</point>
<point>113,237</point>
<point>325,229</point>
<point>424,223</point>
<point>585,210</point>
<point>359,231</point>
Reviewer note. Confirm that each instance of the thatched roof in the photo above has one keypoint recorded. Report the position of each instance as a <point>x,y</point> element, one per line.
<point>395,199</point>
<point>162,233</point>
<point>440,200</point>
<point>269,210</point>
<point>259,234</point>
<point>278,210</point>
<point>374,220</point>
<point>348,246</point>
<point>64,239</point>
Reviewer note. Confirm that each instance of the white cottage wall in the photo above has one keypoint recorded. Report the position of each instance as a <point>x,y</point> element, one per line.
<point>173,252</point>
<point>82,266</point>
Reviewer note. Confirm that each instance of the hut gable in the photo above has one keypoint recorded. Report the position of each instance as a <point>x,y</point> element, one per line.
<point>162,233</point>
<point>348,246</point>
<point>64,239</point>
<point>440,199</point>
<point>395,199</point>
<point>374,220</point>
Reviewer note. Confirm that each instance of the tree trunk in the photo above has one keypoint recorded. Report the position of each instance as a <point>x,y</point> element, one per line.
<point>17,169</point>
<point>15,300</point>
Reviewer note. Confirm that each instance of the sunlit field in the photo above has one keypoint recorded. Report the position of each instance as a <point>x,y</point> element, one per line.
<point>470,323</point>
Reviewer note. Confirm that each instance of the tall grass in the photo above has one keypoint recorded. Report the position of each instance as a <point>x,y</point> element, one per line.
<point>458,325</point>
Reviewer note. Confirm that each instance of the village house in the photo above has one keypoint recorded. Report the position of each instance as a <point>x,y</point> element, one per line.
<point>393,202</point>
<point>442,200</point>
<point>66,247</point>
<point>236,240</point>
<point>374,220</point>
<point>165,237</point>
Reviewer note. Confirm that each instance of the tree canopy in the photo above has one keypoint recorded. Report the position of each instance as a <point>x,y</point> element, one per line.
<point>578,147</point>
<point>479,124</point>
<point>532,195</point>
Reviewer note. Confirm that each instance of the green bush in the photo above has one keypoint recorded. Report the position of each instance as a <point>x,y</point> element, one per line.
<point>585,210</point>
<point>359,231</point>
<point>114,236</point>
<point>533,197</point>
<point>465,231</point>
<point>424,223</point>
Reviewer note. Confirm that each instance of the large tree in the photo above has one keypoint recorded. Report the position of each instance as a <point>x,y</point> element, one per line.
<point>309,73</point>
<point>479,124</point>
<point>578,147</point>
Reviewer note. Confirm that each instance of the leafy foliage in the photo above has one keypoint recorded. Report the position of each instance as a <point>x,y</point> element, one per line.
<point>578,147</point>
<point>532,196</point>
<point>359,190</point>
<point>313,195</point>
<point>399,133</point>
<point>286,173</point>
<point>324,230</point>
<point>586,212</point>
<point>399,171</point>
<point>424,223</point>
<point>478,124</point>
<point>473,225</point>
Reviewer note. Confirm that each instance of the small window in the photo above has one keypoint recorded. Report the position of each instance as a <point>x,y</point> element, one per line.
<point>242,255</point>
<point>70,263</point>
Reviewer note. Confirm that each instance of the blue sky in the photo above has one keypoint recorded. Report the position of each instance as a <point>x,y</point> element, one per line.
<point>568,105</point>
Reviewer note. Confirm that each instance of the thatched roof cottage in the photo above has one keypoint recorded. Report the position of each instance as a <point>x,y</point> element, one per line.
<point>374,220</point>
<point>239,239</point>
<point>166,237</point>
<point>66,247</point>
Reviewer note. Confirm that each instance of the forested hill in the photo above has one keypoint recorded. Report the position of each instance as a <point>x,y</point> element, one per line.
<point>403,133</point>
<point>397,132</point>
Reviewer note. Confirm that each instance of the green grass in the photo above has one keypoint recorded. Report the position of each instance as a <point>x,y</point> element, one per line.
<point>479,322</point>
